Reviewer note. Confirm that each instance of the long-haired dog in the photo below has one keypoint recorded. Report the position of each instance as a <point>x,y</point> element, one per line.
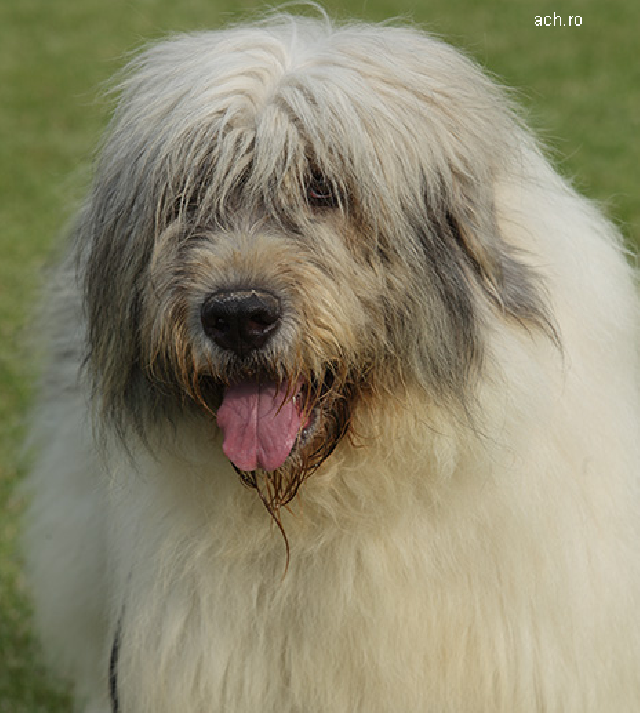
<point>362,372</point>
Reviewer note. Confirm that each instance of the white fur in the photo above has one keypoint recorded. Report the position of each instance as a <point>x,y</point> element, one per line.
<point>435,568</point>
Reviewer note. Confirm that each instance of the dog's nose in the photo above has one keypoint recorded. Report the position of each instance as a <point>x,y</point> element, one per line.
<point>240,320</point>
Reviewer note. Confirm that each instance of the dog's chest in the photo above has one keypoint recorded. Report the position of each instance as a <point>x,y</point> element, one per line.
<point>343,630</point>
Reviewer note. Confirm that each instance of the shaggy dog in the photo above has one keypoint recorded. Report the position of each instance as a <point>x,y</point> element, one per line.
<point>363,374</point>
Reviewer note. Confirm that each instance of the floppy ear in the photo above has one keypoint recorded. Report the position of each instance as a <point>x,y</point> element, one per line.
<point>513,287</point>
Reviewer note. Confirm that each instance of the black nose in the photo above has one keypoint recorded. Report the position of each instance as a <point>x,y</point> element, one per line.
<point>240,320</point>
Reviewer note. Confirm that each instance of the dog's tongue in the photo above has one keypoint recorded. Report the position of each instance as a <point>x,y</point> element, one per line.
<point>259,424</point>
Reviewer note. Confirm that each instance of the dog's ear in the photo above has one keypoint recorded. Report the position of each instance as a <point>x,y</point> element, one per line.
<point>470,225</point>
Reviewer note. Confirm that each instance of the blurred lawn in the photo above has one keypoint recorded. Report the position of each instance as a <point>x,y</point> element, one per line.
<point>581,84</point>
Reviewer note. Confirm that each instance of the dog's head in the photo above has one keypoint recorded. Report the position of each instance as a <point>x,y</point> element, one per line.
<point>290,221</point>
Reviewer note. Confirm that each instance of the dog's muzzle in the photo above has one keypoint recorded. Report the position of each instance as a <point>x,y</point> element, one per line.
<point>267,420</point>
<point>259,418</point>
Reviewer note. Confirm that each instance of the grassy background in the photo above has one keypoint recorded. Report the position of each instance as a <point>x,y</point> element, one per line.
<point>580,83</point>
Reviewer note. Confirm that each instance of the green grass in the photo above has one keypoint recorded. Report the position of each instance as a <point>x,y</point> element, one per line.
<point>579,85</point>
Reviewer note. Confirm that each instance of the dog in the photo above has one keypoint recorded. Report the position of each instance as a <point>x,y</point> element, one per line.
<point>340,411</point>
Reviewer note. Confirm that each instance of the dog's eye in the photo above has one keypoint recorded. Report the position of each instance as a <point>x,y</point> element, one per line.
<point>320,192</point>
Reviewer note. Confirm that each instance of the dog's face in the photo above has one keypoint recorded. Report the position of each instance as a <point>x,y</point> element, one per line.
<point>286,226</point>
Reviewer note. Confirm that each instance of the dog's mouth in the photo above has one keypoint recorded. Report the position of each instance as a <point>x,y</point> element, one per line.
<point>276,433</point>
<point>261,421</point>
<point>266,423</point>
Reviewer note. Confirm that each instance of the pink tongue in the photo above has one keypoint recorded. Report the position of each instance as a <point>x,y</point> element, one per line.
<point>259,426</point>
